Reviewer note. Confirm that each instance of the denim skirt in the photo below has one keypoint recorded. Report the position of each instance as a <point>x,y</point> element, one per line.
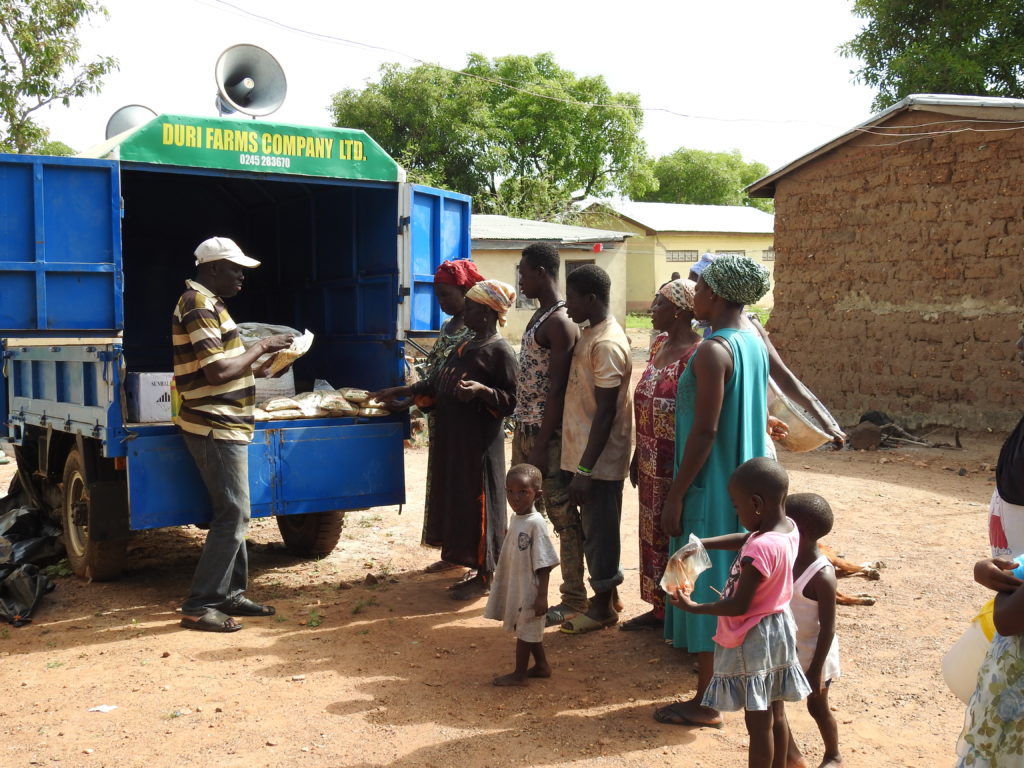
<point>762,669</point>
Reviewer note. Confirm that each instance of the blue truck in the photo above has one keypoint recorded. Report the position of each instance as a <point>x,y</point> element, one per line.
<point>94,252</point>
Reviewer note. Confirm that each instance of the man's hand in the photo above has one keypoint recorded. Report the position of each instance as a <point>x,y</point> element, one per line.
<point>275,343</point>
<point>263,371</point>
<point>269,345</point>
<point>838,438</point>
<point>634,469</point>
<point>579,490</point>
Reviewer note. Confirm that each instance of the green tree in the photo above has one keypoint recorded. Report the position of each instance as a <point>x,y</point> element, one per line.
<point>40,65</point>
<point>520,134</point>
<point>973,47</point>
<point>53,147</point>
<point>706,178</point>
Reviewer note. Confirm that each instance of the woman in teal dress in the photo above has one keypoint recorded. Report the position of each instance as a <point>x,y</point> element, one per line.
<point>721,418</point>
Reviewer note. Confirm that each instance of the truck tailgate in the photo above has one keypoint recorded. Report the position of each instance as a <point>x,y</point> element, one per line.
<point>311,465</point>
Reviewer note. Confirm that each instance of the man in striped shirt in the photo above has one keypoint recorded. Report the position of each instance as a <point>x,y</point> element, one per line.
<point>214,376</point>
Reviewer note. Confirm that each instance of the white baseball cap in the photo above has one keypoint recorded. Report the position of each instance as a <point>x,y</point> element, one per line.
<point>217,248</point>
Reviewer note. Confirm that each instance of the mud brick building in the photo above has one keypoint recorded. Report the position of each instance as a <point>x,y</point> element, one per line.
<point>900,264</point>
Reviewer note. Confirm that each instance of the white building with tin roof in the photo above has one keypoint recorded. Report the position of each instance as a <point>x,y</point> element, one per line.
<point>498,242</point>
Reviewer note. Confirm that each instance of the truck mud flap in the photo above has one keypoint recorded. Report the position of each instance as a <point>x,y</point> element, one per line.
<point>109,519</point>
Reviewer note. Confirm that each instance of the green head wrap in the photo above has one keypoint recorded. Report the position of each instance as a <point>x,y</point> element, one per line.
<point>737,279</point>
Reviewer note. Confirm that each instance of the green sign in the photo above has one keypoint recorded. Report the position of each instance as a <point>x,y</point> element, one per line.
<point>255,145</point>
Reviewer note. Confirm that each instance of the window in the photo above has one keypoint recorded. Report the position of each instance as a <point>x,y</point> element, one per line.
<point>572,266</point>
<point>768,255</point>
<point>731,253</point>
<point>521,301</point>
<point>682,256</point>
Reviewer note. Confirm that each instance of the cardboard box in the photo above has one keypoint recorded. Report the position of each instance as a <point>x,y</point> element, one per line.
<point>148,396</point>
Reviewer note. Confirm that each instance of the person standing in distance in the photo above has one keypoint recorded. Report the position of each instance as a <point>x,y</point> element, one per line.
<point>215,379</point>
<point>597,436</point>
<point>544,359</point>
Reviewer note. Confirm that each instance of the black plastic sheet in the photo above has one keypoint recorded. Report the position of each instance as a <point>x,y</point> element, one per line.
<point>21,589</point>
<point>27,537</point>
<point>27,540</point>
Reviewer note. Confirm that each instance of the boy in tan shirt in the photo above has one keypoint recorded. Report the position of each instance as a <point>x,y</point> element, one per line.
<point>597,427</point>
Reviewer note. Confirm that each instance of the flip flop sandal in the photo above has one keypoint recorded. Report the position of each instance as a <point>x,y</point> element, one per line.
<point>559,614</point>
<point>670,715</point>
<point>243,606</point>
<point>582,624</point>
<point>211,620</point>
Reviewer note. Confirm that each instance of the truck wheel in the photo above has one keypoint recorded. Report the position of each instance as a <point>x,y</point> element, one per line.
<point>314,534</point>
<point>89,559</point>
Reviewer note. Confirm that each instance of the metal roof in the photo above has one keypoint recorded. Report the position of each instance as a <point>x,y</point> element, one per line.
<point>494,227</point>
<point>682,217</point>
<point>967,107</point>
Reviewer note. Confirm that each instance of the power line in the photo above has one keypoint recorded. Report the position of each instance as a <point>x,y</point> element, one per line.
<point>496,81</point>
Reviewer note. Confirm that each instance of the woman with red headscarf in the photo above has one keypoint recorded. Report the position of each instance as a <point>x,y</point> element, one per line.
<point>473,392</point>
<point>451,281</point>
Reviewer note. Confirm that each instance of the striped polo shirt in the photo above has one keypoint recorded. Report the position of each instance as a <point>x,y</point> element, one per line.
<point>203,332</point>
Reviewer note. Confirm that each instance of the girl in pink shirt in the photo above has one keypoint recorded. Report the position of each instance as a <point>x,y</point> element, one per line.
<point>756,665</point>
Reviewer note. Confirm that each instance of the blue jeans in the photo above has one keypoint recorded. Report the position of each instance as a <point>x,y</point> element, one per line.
<point>223,569</point>
<point>601,543</point>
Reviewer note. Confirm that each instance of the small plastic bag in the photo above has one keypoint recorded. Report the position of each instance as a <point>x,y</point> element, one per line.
<point>683,568</point>
<point>354,395</point>
<point>285,357</point>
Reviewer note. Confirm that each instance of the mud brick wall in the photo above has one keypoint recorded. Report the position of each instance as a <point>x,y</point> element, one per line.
<point>900,275</point>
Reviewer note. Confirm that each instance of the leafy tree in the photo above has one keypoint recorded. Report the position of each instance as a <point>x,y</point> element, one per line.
<point>520,134</point>
<point>58,148</point>
<point>973,47</point>
<point>706,178</point>
<point>39,65</point>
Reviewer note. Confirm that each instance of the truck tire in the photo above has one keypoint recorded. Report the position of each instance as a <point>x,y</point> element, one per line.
<point>314,534</point>
<point>90,559</point>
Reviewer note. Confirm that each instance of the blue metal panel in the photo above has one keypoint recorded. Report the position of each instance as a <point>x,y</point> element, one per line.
<point>164,486</point>
<point>315,465</point>
<point>60,247</point>
<point>71,387</point>
<point>341,467</point>
<point>439,231</point>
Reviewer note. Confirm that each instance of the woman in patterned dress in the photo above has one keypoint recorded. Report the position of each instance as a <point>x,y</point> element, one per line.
<point>651,470</point>
<point>992,736</point>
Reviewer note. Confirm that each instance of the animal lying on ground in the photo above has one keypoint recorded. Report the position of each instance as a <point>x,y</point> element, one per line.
<point>845,568</point>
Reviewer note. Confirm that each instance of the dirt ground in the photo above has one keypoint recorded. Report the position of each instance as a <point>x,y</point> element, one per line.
<point>395,674</point>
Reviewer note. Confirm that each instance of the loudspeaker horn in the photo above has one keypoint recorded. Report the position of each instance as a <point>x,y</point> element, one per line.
<point>249,80</point>
<point>126,118</point>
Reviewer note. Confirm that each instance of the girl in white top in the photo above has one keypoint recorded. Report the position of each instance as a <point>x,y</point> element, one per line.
<point>814,609</point>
